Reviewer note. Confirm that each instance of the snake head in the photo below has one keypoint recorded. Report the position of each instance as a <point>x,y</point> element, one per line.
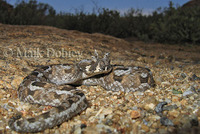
<point>96,65</point>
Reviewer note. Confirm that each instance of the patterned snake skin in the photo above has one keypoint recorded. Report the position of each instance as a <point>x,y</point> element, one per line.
<point>55,85</point>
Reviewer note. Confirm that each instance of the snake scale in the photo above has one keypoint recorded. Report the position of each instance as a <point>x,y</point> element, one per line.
<point>55,85</point>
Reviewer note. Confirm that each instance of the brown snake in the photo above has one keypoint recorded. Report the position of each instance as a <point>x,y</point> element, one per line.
<point>55,85</point>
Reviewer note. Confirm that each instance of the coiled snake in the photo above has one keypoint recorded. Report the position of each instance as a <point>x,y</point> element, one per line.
<point>55,85</point>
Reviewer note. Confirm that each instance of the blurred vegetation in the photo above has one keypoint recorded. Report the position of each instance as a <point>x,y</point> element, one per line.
<point>168,25</point>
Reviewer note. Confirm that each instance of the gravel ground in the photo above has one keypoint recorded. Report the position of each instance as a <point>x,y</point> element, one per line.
<point>173,106</point>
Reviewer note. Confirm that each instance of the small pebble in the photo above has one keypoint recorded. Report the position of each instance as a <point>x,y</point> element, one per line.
<point>168,100</point>
<point>145,122</point>
<point>134,108</point>
<point>83,126</point>
<point>170,107</point>
<point>16,81</point>
<point>188,92</point>
<point>139,93</point>
<point>157,63</point>
<point>174,113</point>
<point>145,128</point>
<point>194,77</point>
<point>180,66</point>
<point>154,118</point>
<point>166,122</point>
<point>175,99</point>
<point>109,122</point>
<point>166,83</point>
<point>183,75</point>
<point>135,114</point>
<point>8,95</point>
<point>150,106</point>
<point>194,120</point>
<point>161,57</point>
<point>159,107</point>
<point>192,88</point>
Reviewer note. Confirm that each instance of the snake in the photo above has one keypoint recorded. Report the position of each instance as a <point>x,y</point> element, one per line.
<point>56,86</point>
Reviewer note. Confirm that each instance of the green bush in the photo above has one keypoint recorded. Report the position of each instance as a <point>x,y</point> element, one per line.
<point>178,26</point>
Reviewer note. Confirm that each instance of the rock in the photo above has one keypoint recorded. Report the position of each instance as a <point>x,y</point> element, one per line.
<point>145,122</point>
<point>109,122</point>
<point>170,58</point>
<point>175,99</point>
<point>192,88</point>
<point>198,113</point>
<point>174,113</point>
<point>166,122</point>
<point>134,108</point>
<point>107,111</point>
<point>159,107</point>
<point>8,85</point>
<point>16,82</point>
<point>135,114</point>
<point>161,56</point>
<point>152,56</point>
<point>180,66</point>
<point>138,93</point>
<point>166,83</point>
<point>83,126</point>
<point>168,100</point>
<point>145,128</point>
<point>189,121</point>
<point>194,77</point>
<point>150,106</point>
<point>162,131</point>
<point>89,111</point>
<point>154,118</point>
<point>187,93</point>
<point>8,95</point>
<point>77,130</point>
<point>194,120</point>
<point>183,76</point>
<point>172,67</point>
<point>157,63</point>
<point>170,107</point>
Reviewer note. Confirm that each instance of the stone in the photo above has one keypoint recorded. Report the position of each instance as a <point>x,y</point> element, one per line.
<point>159,107</point>
<point>107,111</point>
<point>135,114</point>
<point>145,128</point>
<point>166,122</point>
<point>154,118</point>
<point>166,83</point>
<point>175,99</point>
<point>170,107</point>
<point>16,81</point>
<point>183,75</point>
<point>150,106</point>
<point>194,77</point>
<point>187,93</point>
<point>174,113</point>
